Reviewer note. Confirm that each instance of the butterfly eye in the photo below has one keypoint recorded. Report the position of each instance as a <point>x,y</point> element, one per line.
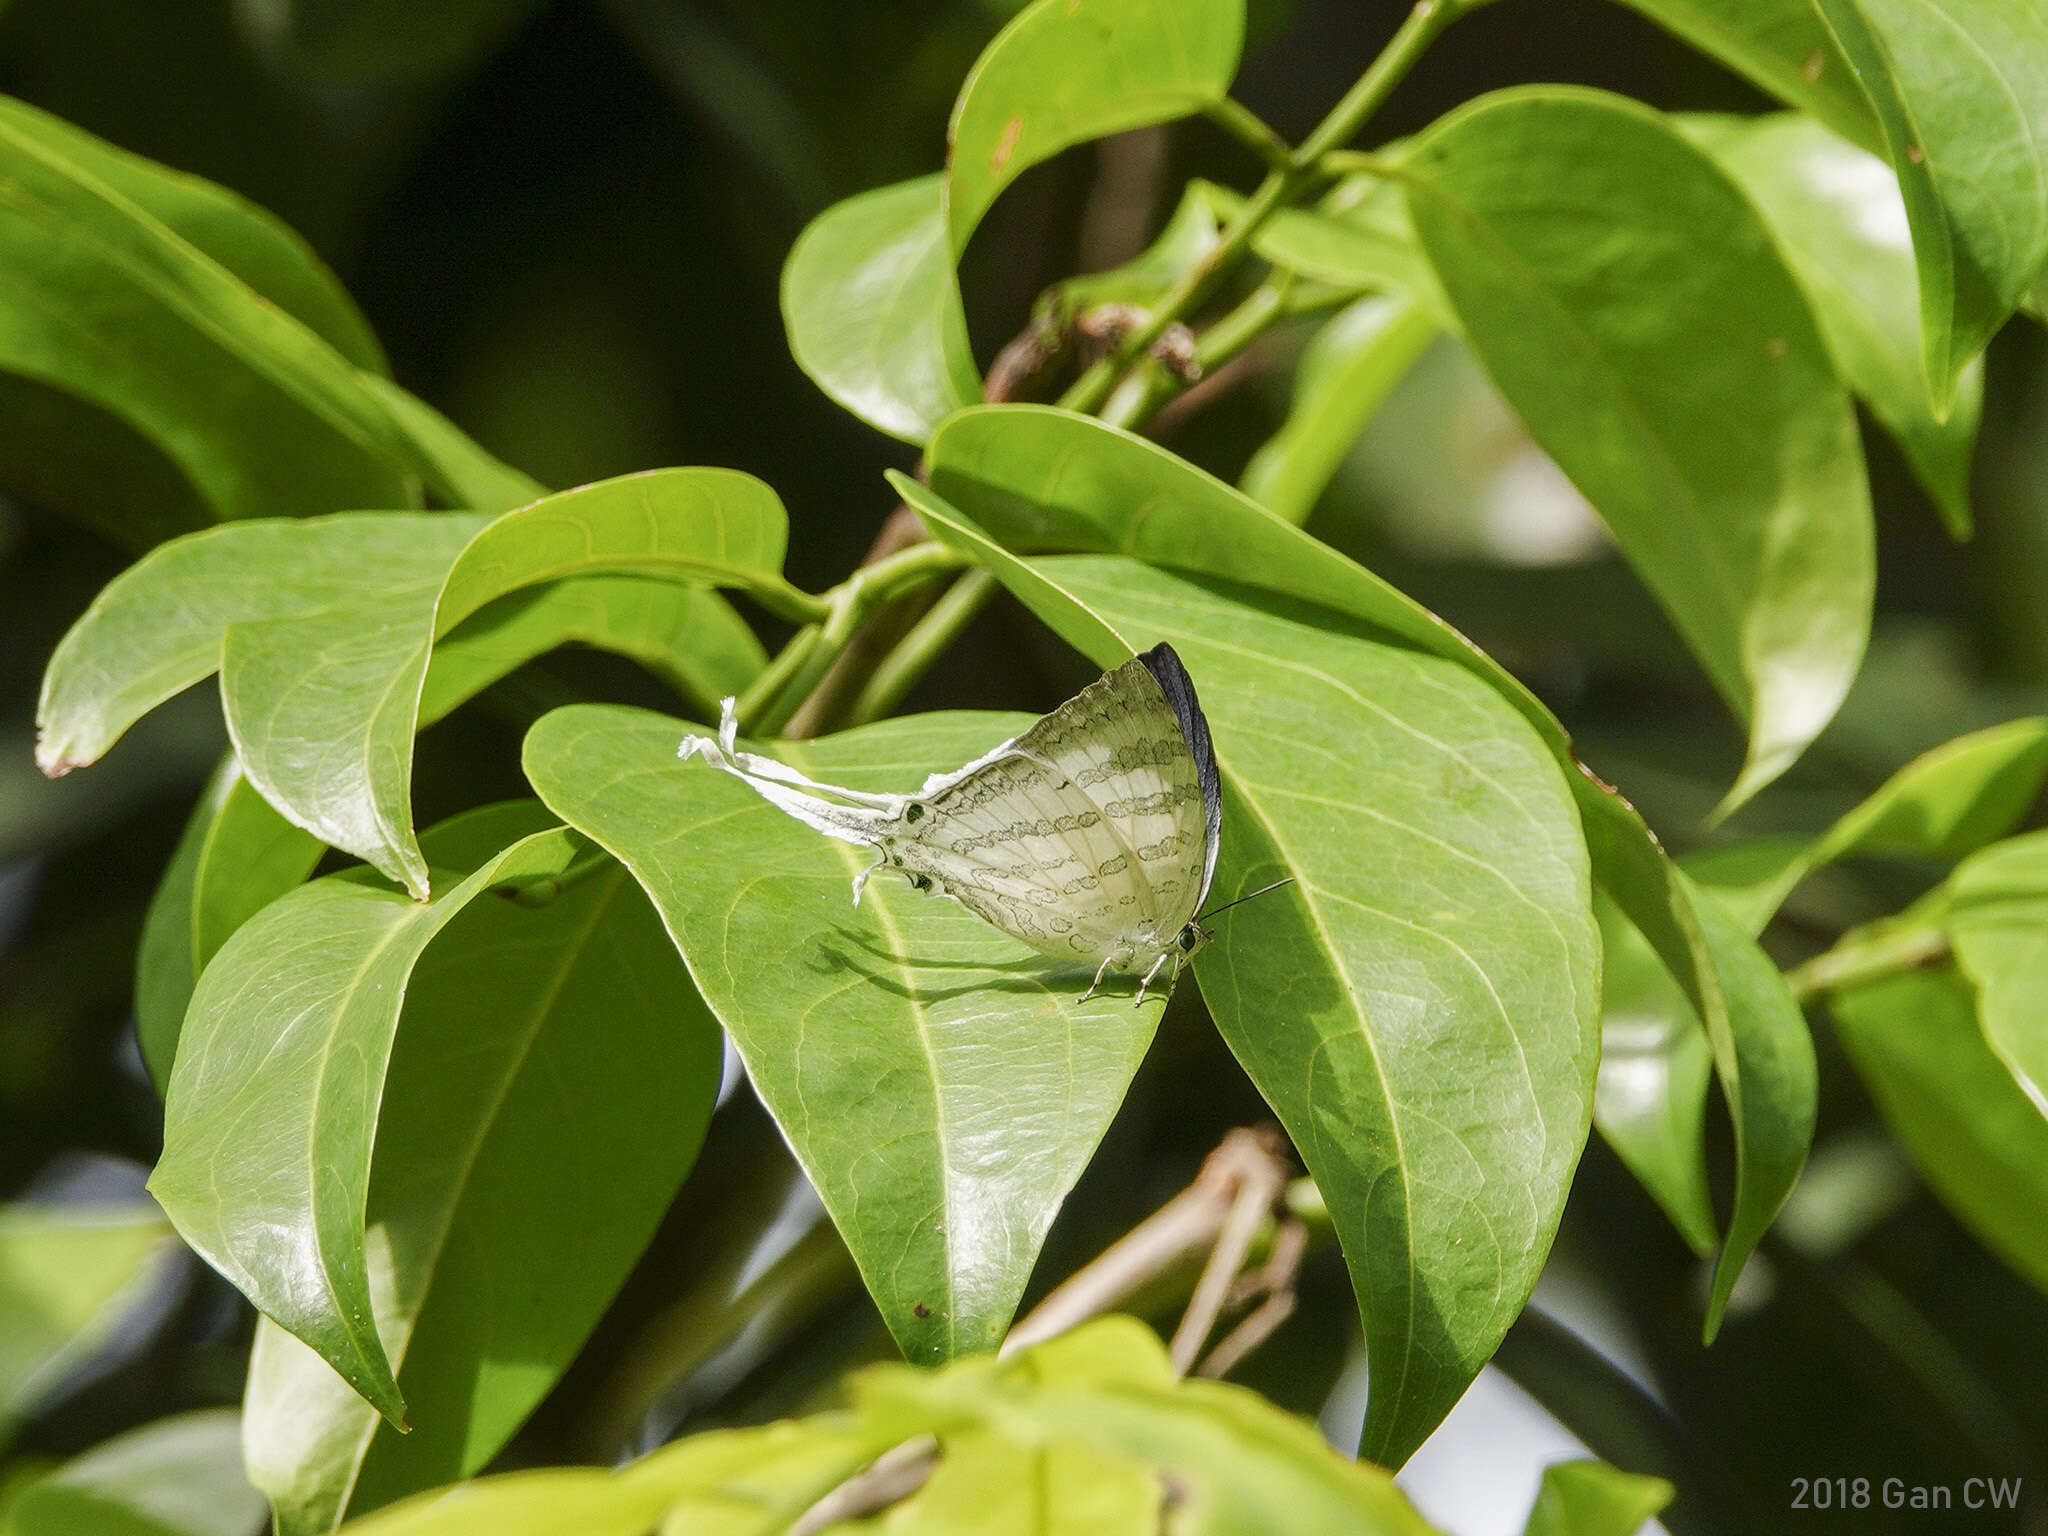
<point>1190,939</point>
<point>913,812</point>
<point>920,882</point>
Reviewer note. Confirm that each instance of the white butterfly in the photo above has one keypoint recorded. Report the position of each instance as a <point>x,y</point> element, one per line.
<point>1091,836</point>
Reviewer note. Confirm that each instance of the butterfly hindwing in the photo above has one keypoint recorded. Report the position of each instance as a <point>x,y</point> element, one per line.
<point>1092,834</point>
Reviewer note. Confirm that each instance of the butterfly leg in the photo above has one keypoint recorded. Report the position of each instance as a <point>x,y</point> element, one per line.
<point>1156,964</point>
<point>1100,970</point>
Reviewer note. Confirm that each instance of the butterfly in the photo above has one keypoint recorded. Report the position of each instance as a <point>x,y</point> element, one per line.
<point>1090,836</point>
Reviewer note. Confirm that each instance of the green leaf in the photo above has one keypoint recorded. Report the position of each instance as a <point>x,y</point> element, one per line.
<point>1234,1462</point>
<point>995,1486</point>
<point>1683,386</point>
<point>1345,375</point>
<point>454,466</point>
<point>1782,46</point>
<point>1960,90</point>
<point>1062,73</point>
<point>518,1019</point>
<point>1979,1141</point>
<point>179,1476</point>
<point>111,300</point>
<point>1655,1064</point>
<point>323,630</point>
<point>1945,803</point>
<point>1358,234</point>
<point>872,309</point>
<point>63,1270</point>
<point>385,40</point>
<point>274,1097</point>
<point>235,857</point>
<point>1195,230</point>
<point>1837,212</point>
<point>1590,1498</point>
<point>1997,919</point>
<point>1425,991</point>
<point>897,1042</point>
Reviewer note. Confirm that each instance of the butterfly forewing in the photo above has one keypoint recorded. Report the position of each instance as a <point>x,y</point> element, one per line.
<point>1091,835</point>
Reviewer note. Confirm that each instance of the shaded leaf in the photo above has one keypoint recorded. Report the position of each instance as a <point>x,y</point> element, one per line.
<point>273,1102</point>
<point>1837,212</point>
<point>872,309</point>
<point>488,1162</point>
<point>1960,91</point>
<point>180,1476</point>
<point>1194,230</point>
<point>898,1043</point>
<point>1979,1141</point>
<point>1344,376</point>
<point>112,303</point>
<point>1683,387</point>
<point>1590,1498</point>
<point>1782,46</point>
<point>63,1270</point>
<point>1061,73</point>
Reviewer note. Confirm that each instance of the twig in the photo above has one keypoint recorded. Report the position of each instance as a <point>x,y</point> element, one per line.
<point>1259,1181</point>
<point>1191,1221</point>
<point>1275,1279</point>
<point>892,1477</point>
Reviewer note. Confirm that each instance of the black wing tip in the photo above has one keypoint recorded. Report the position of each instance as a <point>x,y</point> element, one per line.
<point>1165,666</point>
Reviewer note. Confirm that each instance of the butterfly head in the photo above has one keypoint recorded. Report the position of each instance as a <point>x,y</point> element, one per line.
<point>1192,938</point>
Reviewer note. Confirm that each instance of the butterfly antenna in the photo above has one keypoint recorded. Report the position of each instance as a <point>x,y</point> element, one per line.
<point>1289,880</point>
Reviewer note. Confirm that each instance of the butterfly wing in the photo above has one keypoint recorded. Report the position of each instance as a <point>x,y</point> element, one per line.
<point>1093,834</point>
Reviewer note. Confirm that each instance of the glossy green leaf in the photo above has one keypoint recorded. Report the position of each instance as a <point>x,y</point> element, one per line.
<point>1043,479</point>
<point>112,300</point>
<point>323,630</point>
<point>1064,72</point>
<point>872,309</point>
<point>1345,375</point>
<point>1424,991</point>
<point>1683,386</point>
<point>455,467</point>
<point>518,1019</point>
<point>1960,90</point>
<point>1590,1498</point>
<point>894,1042</point>
<point>384,40</point>
<point>63,1270</point>
<point>1655,1065</point>
<point>1782,46</point>
<point>1046,479</point>
<point>180,1476</point>
<point>1837,212</point>
<point>273,1103</point>
<point>235,857</point>
<point>1997,919</point>
<point>156,629</point>
<point>1979,1141</point>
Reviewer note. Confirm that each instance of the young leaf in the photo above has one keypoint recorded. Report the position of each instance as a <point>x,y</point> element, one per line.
<point>553,1074</point>
<point>1060,74</point>
<point>941,1083</point>
<point>1194,230</point>
<point>872,309</point>
<point>1836,210</point>
<point>1683,386</point>
<point>1358,234</point>
<point>272,1110</point>
<point>1961,93</point>
<point>1345,375</point>
<point>110,302</point>
<point>1980,1142</point>
<point>1590,1498</point>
